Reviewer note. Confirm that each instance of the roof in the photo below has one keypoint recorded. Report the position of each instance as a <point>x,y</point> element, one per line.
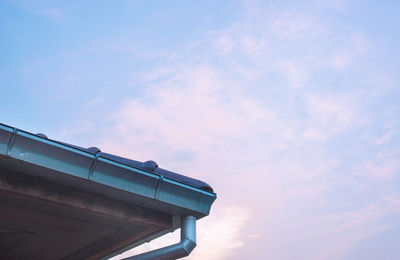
<point>150,166</point>
<point>81,203</point>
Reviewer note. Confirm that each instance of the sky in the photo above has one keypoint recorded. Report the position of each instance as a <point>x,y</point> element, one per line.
<point>290,110</point>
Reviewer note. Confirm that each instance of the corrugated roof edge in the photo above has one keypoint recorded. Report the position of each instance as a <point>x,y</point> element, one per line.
<point>148,166</point>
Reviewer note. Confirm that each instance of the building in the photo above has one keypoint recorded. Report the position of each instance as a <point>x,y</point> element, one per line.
<point>60,201</point>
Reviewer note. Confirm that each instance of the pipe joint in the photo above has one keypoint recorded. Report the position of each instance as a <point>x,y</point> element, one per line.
<point>182,249</point>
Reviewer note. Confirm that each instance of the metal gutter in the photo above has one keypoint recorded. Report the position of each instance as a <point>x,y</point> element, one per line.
<point>60,162</point>
<point>179,250</point>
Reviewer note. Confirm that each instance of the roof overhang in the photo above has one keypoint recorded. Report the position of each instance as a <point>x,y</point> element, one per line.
<point>45,179</point>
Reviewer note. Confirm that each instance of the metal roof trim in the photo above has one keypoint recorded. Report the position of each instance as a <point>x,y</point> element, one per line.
<point>85,152</point>
<point>84,167</point>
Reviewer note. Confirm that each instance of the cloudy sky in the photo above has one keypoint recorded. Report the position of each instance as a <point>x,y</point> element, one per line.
<point>289,109</point>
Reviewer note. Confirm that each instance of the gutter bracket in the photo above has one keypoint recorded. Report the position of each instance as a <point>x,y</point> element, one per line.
<point>11,141</point>
<point>157,191</point>
<point>91,170</point>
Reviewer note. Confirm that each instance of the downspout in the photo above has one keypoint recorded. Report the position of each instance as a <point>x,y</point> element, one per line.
<point>182,249</point>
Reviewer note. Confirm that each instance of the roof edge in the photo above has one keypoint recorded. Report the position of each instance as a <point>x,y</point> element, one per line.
<point>150,189</point>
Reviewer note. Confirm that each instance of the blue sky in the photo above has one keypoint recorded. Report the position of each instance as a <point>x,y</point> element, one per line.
<point>289,109</point>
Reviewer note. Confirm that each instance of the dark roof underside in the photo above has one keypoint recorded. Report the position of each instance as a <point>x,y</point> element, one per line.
<point>45,220</point>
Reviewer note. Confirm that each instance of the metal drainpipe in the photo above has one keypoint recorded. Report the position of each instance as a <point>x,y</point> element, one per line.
<point>182,249</point>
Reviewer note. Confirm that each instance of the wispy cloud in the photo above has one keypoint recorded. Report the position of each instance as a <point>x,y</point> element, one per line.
<point>42,8</point>
<point>275,111</point>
